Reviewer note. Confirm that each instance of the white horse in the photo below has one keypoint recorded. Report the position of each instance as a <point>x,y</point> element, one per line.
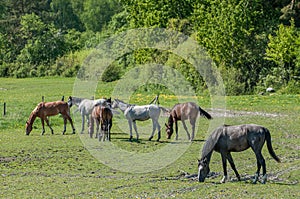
<point>86,106</point>
<point>74,101</point>
<point>135,113</point>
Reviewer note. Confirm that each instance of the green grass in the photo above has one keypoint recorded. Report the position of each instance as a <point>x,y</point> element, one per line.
<point>60,166</point>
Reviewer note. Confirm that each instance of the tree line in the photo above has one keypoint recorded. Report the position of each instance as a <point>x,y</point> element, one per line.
<point>255,44</point>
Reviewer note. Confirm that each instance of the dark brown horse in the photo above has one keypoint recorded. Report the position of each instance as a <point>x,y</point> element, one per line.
<point>226,139</point>
<point>102,115</point>
<point>45,109</point>
<point>184,111</point>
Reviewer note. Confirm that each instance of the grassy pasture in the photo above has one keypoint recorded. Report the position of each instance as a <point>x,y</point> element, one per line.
<point>60,166</point>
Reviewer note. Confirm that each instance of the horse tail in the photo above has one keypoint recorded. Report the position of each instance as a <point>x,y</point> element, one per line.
<point>204,113</point>
<point>269,145</point>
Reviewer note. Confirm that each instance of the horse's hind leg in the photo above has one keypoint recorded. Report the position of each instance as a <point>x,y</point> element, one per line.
<point>130,129</point>
<point>82,123</point>
<point>260,162</point>
<point>72,125</point>
<point>192,122</point>
<point>135,129</point>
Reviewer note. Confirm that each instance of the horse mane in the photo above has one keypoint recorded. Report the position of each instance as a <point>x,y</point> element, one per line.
<point>35,111</point>
<point>211,141</point>
<point>125,102</point>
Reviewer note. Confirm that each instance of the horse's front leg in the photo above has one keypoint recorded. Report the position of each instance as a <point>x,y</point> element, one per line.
<point>186,129</point>
<point>229,157</point>
<point>224,168</point>
<point>176,128</point>
<point>43,126</point>
<point>48,124</point>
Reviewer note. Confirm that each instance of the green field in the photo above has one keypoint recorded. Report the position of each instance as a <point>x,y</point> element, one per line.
<point>61,166</point>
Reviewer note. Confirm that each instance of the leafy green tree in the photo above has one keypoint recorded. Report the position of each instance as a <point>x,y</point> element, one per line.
<point>64,15</point>
<point>233,33</point>
<point>44,42</point>
<point>145,13</point>
<point>97,14</point>
<point>283,49</point>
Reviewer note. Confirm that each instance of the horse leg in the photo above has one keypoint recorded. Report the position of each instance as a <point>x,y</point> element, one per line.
<point>108,131</point>
<point>110,125</point>
<point>153,129</point>
<point>82,123</point>
<point>176,128</point>
<point>229,158</point>
<point>192,122</point>
<point>135,129</point>
<point>43,126</point>
<point>71,122</point>
<point>65,125</point>
<point>185,128</point>
<point>97,130</point>
<point>260,162</point>
<point>224,168</point>
<point>130,129</point>
<point>256,176</point>
<point>48,124</point>
<point>158,129</point>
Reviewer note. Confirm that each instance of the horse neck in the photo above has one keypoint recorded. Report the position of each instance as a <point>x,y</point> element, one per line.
<point>122,106</point>
<point>208,156</point>
<point>31,118</point>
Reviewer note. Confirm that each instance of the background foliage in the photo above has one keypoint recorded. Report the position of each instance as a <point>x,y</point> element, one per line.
<point>255,44</point>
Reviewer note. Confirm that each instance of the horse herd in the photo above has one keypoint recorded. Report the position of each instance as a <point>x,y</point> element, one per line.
<point>224,139</point>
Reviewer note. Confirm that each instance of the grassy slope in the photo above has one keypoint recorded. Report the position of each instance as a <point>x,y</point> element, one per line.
<point>59,166</point>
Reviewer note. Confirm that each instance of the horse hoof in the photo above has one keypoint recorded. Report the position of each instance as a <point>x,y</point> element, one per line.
<point>150,138</point>
<point>130,139</point>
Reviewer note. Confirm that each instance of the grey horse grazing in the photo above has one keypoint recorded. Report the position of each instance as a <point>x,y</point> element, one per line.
<point>135,113</point>
<point>226,139</point>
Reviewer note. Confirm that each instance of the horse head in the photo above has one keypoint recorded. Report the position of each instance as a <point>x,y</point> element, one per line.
<point>169,130</point>
<point>70,103</point>
<point>28,128</point>
<point>203,169</point>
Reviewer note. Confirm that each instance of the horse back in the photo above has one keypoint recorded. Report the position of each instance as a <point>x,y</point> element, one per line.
<point>183,111</point>
<point>241,137</point>
<point>52,108</point>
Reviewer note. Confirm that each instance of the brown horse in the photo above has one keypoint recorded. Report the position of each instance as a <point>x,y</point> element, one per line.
<point>226,139</point>
<point>184,111</point>
<point>45,109</point>
<point>102,115</point>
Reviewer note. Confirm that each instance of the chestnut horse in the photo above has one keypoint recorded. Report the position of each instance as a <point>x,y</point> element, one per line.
<point>184,111</point>
<point>226,139</point>
<point>102,115</point>
<point>45,109</point>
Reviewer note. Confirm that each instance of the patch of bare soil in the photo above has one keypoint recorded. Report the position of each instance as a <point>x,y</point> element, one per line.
<point>231,113</point>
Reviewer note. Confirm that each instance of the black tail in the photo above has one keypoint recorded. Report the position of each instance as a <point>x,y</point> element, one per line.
<point>205,114</point>
<point>269,145</point>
